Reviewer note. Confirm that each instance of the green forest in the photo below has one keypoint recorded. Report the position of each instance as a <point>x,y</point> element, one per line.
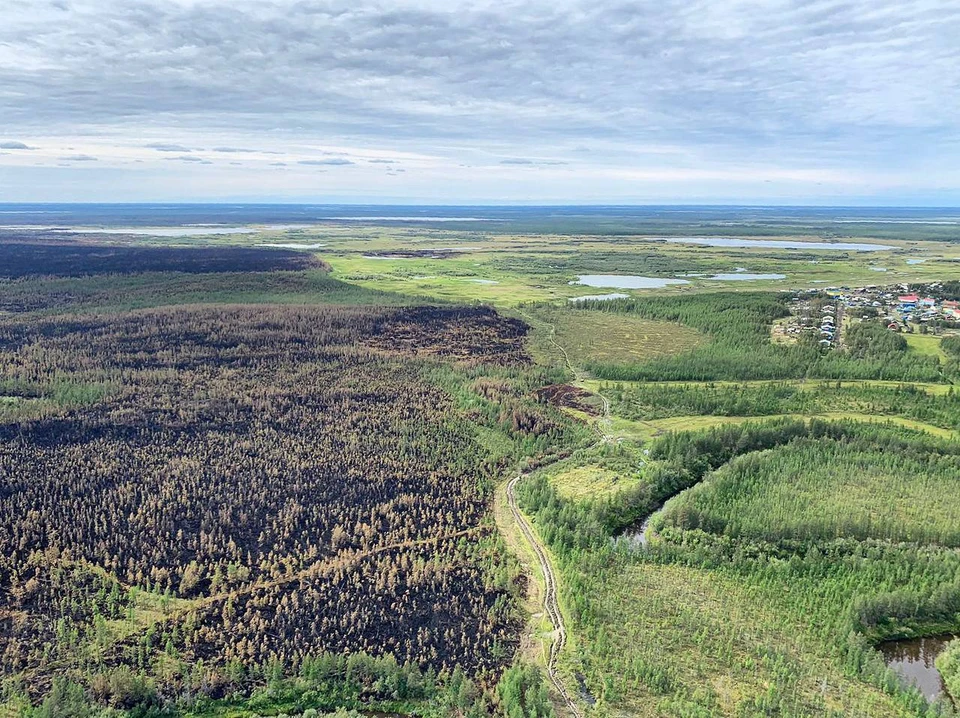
<point>826,560</point>
<point>738,324</point>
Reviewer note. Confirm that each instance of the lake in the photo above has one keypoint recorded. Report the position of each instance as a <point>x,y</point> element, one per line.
<point>913,659</point>
<point>163,231</point>
<point>408,218</point>
<point>626,281</point>
<point>775,243</point>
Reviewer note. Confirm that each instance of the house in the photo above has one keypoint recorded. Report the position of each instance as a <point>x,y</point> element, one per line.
<point>908,301</point>
<point>928,302</point>
<point>951,310</point>
<point>893,327</point>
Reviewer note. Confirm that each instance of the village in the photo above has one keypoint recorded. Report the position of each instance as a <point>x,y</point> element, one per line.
<point>822,313</point>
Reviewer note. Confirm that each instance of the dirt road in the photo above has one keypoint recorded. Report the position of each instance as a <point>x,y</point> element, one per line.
<point>550,603</point>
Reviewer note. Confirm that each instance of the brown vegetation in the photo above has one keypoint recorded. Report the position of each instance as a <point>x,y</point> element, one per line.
<point>287,470</point>
<point>572,397</point>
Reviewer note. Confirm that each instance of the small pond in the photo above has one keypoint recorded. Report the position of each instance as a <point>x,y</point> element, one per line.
<point>776,243</point>
<point>626,281</point>
<point>913,659</point>
<point>916,261</point>
<point>290,245</point>
<point>745,277</point>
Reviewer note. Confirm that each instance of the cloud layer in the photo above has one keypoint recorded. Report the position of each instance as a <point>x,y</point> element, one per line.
<point>559,100</point>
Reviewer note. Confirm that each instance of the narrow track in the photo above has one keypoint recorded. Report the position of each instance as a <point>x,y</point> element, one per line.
<point>550,602</point>
<point>603,421</point>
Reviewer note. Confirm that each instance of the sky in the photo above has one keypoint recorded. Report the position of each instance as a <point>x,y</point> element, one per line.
<point>472,101</point>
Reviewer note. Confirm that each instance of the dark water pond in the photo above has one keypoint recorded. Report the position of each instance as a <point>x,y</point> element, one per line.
<point>599,297</point>
<point>914,660</point>
<point>585,693</point>
<point>636,536</point>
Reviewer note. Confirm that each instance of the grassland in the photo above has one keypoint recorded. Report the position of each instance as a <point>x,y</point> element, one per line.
<point>513,270</point>
<point>597,336</point>
<point>591,482</point>
<point>671,640</point>
<point>509,268</point>
<point>654,427</point>
<point>926,345</point>
<point>552,251</point>
<point>689,406</point>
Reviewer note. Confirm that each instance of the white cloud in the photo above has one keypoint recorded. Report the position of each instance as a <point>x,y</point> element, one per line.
<point>333,161</point>
<point>167,147</point>
<point>821,91</point>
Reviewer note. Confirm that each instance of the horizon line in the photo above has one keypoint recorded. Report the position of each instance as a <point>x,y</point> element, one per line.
<point>292,203</point>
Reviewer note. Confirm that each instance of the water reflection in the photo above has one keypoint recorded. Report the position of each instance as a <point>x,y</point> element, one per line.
<point>913,659</point>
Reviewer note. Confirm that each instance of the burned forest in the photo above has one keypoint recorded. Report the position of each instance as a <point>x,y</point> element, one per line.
<point>256,485</point>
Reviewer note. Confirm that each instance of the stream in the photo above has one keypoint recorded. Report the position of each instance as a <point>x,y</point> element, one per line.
<point>912,659</point>
<point>637,538</point>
